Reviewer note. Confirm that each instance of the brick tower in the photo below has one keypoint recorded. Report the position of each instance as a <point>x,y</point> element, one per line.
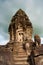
<point>20,47</point>
<point>20,30</point>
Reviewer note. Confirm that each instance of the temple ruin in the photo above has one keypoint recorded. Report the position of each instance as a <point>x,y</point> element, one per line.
<point>18,51</point>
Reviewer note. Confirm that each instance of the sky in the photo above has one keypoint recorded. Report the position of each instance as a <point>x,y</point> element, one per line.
<point>33,9</point>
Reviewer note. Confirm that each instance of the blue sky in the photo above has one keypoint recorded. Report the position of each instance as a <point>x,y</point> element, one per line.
<point>33,8</point>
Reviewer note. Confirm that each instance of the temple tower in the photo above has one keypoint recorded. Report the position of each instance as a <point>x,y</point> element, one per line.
<point>20,27</point>
<point>20,30</point>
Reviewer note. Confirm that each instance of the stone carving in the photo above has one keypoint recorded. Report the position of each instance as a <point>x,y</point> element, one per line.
<point>21,47</point>
<point>37,40</point>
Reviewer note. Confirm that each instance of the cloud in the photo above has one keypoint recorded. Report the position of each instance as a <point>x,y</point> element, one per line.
<point>41,40</point>
<point>3,41</point>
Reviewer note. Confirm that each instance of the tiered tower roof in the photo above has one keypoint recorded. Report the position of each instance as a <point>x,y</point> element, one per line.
<point>22,18</point>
